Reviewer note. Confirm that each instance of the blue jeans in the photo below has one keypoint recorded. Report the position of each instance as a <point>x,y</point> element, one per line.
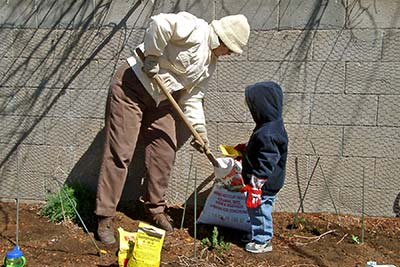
<point>261,220</point>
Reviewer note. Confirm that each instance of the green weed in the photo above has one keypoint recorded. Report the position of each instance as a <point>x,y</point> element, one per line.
<point>60,205</point>
<point>217,242</point>
<point>355,239</point>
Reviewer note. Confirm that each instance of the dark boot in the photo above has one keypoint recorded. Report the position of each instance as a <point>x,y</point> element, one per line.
<point>163,221</point>
<point>105,230</point>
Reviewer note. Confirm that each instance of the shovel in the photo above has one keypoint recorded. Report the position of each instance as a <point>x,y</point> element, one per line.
<point>175,105</point>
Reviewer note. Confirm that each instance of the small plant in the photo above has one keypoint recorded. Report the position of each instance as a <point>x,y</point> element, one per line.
<point>58,205</point>
<point>298,222</point>
<point>217,242</point>
<point>61,205</point>
<point>355,239</point>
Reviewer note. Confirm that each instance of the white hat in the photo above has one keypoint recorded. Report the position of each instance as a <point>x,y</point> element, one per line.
<point>233,30</point>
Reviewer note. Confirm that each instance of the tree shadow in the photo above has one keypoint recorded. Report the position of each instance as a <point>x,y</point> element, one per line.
<point>396,206</point>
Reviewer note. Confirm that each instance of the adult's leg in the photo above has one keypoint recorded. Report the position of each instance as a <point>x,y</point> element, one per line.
<point>160,150</point>
<point>123,121</point>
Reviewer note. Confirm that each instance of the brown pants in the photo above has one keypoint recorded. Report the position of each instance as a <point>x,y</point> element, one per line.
<point>130,109</point>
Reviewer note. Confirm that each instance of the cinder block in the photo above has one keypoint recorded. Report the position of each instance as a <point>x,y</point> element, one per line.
<point>17,13</point>
<point>314,14</point>
<point>372,77</point>
<point>36,102</point>
<point>8,160</point>
<point>189,165</point>
<point>233,133</point>
<point>391,45</point>
<point>385,203</point>
<point>8,183</point>
<point>296,108</point>
<point>224,106</point>
<point>297,169</point>
<point>201,9</point>
<point>32,185</point>
<point>130,13</point>
<point>5,75</point>
<point>343,171</point>
<point>235,76</point>
<point>371,142</point>
<point>347,45</point>
<point>386,173</point>
<point>103,43</point>
<point>104,71</point>
<point>83,74</point>
<point>26,72</point>
<point>325,140</point>
<point>8,41</point>
<point>373,14</point>
<point>72,14</point>
<point>138,15</point>
<point>288,199</point>
<point>21,129</point>
<point>321,199</point>
<point>131,39</point>
<point>88,103</point>
<point>261,14</point>
<point>353,200</point>
<point>76,132</point>
<point>6,96</point>
<point>44,159</point>
<point>312,77</point>
<point>213,83</point>
<point>344,109</point>
<point>388,110</point>
<point>41,43</point>
<point>286,45</point>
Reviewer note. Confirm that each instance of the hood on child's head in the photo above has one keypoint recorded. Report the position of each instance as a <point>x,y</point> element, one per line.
<point>265,101</point>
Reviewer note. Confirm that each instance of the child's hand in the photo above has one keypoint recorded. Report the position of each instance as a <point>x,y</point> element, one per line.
<point>257,182</point>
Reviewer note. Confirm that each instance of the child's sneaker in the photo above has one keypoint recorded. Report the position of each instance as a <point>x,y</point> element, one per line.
<point>258,248</point>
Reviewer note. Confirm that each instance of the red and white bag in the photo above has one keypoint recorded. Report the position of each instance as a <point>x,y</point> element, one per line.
<point>225,205</point>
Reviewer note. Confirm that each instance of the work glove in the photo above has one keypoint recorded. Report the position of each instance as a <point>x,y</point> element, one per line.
<point>253,191</point>
<point>253,198</point>
<point>202,131</point>
<point>150,66</point>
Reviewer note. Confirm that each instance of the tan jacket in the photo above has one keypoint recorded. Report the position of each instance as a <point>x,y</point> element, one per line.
<point>184,45</point>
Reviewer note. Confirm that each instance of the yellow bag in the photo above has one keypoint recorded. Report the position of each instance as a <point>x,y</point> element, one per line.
<point>229,151</point>
<point>126,243</point>
<point>147,249</point>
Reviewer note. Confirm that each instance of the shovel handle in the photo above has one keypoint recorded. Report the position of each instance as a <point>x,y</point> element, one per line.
<point>177,108</point>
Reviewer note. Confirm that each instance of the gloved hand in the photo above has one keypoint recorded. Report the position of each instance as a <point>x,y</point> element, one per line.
<point>253,191</point>
<point>257,182</point>
<point>253,199</point>
<point>202,131</point>
<point>150,66</point>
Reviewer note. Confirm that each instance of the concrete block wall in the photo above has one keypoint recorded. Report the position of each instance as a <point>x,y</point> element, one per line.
<point>337,61</point>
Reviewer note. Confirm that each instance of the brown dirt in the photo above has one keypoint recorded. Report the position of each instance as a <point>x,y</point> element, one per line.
<point>318,240</point>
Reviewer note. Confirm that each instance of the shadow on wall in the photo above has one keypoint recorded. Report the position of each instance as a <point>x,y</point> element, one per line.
<point>43,67</point>
<point>86,170</point>
<point>396,205</point>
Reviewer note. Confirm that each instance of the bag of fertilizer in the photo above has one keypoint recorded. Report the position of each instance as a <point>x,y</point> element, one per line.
<point>126,243</point>
<point>225,205</point>
<point>147,249</point>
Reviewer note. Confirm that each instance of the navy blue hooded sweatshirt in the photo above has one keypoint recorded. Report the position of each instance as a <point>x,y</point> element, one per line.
<point>266,151</point>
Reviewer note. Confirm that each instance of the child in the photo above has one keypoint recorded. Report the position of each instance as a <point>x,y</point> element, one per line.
<point>264,161</point>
